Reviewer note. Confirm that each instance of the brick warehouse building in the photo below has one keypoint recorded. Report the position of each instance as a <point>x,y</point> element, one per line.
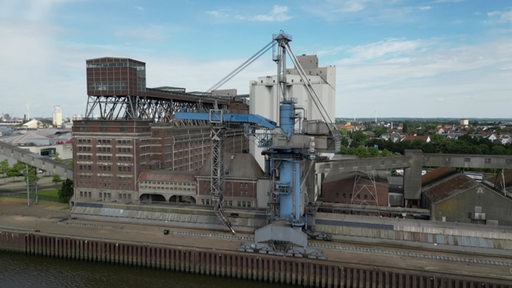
<point>110,150</point>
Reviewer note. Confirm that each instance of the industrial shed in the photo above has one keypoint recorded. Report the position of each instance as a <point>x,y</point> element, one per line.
<point>458,198</point>
<point>355,188</point>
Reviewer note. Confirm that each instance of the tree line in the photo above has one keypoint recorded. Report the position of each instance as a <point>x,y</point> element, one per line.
<point>358,143</point>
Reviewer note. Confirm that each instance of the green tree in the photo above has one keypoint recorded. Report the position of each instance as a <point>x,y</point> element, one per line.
<point>56,179</point>
<point>17,169</point>
<point>66,191</point>
<point>4,167</point>
<point>378,130</point>
<point>498,149</point>
<point>358,139</point>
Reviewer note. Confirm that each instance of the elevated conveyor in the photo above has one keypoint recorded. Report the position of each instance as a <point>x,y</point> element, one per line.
<point>38,161</point>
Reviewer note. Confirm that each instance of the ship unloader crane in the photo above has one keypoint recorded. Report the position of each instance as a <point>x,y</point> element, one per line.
<point>290,152</point>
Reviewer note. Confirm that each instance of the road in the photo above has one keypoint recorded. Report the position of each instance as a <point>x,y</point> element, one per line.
<point>20,187</point>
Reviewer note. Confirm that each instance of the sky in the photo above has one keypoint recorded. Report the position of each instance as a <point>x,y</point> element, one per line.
<point>393,58</point>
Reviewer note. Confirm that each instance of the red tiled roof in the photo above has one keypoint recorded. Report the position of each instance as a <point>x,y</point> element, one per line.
<point>414,137</point>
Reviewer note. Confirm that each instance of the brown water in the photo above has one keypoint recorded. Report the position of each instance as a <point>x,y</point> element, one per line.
<point>18,270</point>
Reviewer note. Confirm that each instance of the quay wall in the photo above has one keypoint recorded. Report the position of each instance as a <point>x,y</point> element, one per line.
<point>258,267</point>
<point>339,226</point>
<point>415,231</point>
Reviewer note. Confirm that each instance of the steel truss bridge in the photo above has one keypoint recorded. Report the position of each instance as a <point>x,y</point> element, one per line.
<point>153,104</point>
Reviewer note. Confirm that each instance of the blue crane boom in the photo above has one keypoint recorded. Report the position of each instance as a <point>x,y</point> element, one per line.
<point>216,116</point>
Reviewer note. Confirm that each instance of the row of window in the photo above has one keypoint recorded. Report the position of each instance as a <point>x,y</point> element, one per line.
<point>124,142</point>
<point>84,141</point>
<point>85,194</point>
<point>229,203</point>
<point>84,157</point>
<point>105,149</point>
<point>102,149</point>
<point>124,150</point>
<point>174,183</point>
<point>89,176</point>
<point>124,168</point>
<point>124,158</point>
<point>106,158</point>
<point>104,168</point>
<point>108,85</point>
<point>166,188</point>
<point>84,148</point>
<point>106,195</point>
<point>130,64</point>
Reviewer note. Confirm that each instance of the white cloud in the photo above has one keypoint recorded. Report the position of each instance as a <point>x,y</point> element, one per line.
<point>364,11</point>
<point>219,14</point>
<point>470,80</point>
<point>386,48</point>
<point>349,6</point>
<point>278,14</point>
<point>32,10</point>
<point>448,1</point>
<point>150,33</point>
<point>501,16</point>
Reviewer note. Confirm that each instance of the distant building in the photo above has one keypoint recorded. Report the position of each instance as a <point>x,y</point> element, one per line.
<point>464,122</point>
<point>57,116</point>
<point>44,142</point>
<point>33,124</point>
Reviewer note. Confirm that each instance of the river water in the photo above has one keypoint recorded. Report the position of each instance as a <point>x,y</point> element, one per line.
<point>18,271</point>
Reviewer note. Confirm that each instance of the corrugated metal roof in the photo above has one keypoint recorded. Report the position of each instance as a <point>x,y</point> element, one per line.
<point>449,186</point>
<point>30,137</point>
<point>437,174</point>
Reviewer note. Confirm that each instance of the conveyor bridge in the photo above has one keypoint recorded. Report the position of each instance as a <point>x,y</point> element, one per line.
<point>38,161</point>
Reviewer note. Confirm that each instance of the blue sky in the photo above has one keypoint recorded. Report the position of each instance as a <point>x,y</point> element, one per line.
<point>394,58</point>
